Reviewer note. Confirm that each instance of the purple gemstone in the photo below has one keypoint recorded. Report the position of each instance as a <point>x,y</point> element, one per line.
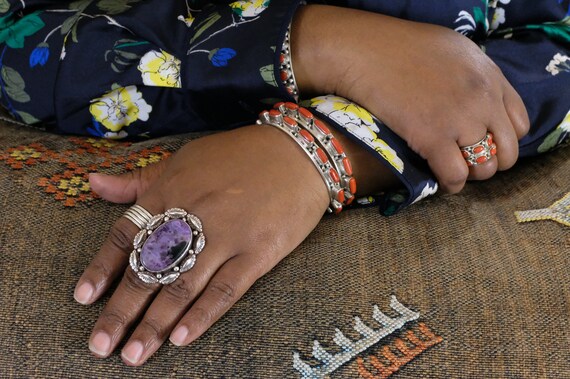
<point>166,245</point>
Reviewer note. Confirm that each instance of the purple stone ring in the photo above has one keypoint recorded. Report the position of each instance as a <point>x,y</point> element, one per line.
<point>167,246</point>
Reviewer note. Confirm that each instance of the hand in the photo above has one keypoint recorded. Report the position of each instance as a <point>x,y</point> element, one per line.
<point>432,86</point>
<point>258,196</point>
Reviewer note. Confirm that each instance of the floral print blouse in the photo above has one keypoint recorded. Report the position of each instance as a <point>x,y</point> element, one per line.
<point>146,68</point>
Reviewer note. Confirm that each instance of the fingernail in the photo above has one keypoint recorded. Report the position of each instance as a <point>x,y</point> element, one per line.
<point>100,344</point>
<point>179,336</point>
<point>83,293</point>
<point>133,352</point>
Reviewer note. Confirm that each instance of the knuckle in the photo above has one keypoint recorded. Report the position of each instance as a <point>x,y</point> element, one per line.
<point>179,290</point>
<point>224,291</point>
<point>113,319</point>
<point>153,328</point>
<point>101,269</point>
<point>120,238</point>
<point>454,181</point>
<point>132,282</point>
<point>201,314</point>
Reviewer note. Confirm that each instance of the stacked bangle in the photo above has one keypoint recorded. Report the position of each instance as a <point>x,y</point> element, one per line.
<point>320,145</point>
<point>286,67</point>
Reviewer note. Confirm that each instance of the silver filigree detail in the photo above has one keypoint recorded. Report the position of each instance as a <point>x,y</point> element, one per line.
<point>147,278</point>
<point>155,221</point>
<point>134,261</point>
<point>139,239</point>
<point>195,222</point>
<point>167,279</point>
<point>175,213</point>
<point>188,263</point>
<point>200,244</point>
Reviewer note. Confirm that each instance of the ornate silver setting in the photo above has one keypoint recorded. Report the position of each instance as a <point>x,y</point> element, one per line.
<point>183,263</point>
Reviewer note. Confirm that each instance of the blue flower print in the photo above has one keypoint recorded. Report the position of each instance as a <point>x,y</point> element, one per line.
<point>220,57</point>
<point>39,55</point>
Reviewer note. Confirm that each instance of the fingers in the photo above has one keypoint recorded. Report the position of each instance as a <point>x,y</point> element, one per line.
<point>516,112</point>
<point>128,187</point>
<point>217,293</point>
<point>170,304</point>
<point>229,284</point>
<point>125,306</point>
<point>110,261</point>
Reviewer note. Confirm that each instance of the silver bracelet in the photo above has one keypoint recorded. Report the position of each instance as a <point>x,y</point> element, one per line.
<point>286,67</point>
<point>309,133</point>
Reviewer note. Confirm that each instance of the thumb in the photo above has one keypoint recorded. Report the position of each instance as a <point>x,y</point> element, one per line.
<point>127,187</point>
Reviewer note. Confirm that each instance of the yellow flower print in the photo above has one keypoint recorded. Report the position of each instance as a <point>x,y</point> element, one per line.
<point>160,69</point>
<point>249,8</point>
<point>119,108</point>
<point>359,122</point>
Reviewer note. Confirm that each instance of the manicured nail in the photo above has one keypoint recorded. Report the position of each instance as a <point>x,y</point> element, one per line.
<point>179,336</point>
<point>100,344</point>
<point>83,293</point>
<point>133,352</point>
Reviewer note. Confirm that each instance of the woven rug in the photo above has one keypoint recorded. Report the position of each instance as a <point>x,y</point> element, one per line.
<point>453,287</point>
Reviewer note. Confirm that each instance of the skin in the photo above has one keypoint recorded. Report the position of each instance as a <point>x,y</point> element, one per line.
<point>438,94</point>
<point>248,232</point>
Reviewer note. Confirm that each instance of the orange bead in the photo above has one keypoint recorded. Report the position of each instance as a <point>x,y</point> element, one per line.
<point>291,106</point>
<point>478,149</point>
<point>289,121</point>
<point>334,175</point>
<point>305,113</point>
<point>274,113</point>
<point>340,196</point>
<point>306,135</point>
<point>349,201</point>
<point>352,186</point>
<point>322,155</point>
<point>284,76</point>
<point>278,105</point>
<point>281,58</point>
<point>482,159</point>
<point>494,150</point>
<point>465,154</point>
<point>322,127</point>
<point>490,139</point>
<point>338,210</point>
<point>347,166</point>
<point>337,146</point>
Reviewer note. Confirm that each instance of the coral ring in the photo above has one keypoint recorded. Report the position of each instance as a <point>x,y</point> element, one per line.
<point>479,152</point>
<point>166,246</point>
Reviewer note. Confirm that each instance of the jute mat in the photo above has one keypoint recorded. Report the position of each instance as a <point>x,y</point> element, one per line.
<point>481,295</point>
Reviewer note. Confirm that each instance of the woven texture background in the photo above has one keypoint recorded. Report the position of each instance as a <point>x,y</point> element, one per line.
<point>496,291</point>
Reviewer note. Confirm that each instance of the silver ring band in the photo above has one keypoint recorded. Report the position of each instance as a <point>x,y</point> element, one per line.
<point>138,216</point>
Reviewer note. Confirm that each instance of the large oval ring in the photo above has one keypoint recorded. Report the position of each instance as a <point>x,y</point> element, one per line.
<point>167,246</point>
<point>479,152</point>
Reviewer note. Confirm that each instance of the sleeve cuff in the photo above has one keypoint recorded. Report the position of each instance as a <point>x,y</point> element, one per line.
<point>232,64</point>
<point>358,124</point>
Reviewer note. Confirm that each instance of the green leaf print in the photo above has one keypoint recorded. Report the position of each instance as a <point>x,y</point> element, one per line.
<point>27,118</point>
<point>204,25</point>
<point>15,34</point>
<point>556,30</point>
<point>14,85</point>
<point>551,141</point>
<point>113,7</point>
<point>268,75</point>
<point>4,6</point>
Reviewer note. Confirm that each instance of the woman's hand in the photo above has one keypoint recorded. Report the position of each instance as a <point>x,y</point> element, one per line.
<point>258,196</point>
<point>432,86</point>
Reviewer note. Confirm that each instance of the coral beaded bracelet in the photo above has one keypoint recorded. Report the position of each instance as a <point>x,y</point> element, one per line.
<point>320,145</point>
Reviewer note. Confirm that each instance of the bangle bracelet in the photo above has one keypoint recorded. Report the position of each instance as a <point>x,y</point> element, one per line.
<point>286,67</point>
<point>297,123</point>
<point>328,142</point>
